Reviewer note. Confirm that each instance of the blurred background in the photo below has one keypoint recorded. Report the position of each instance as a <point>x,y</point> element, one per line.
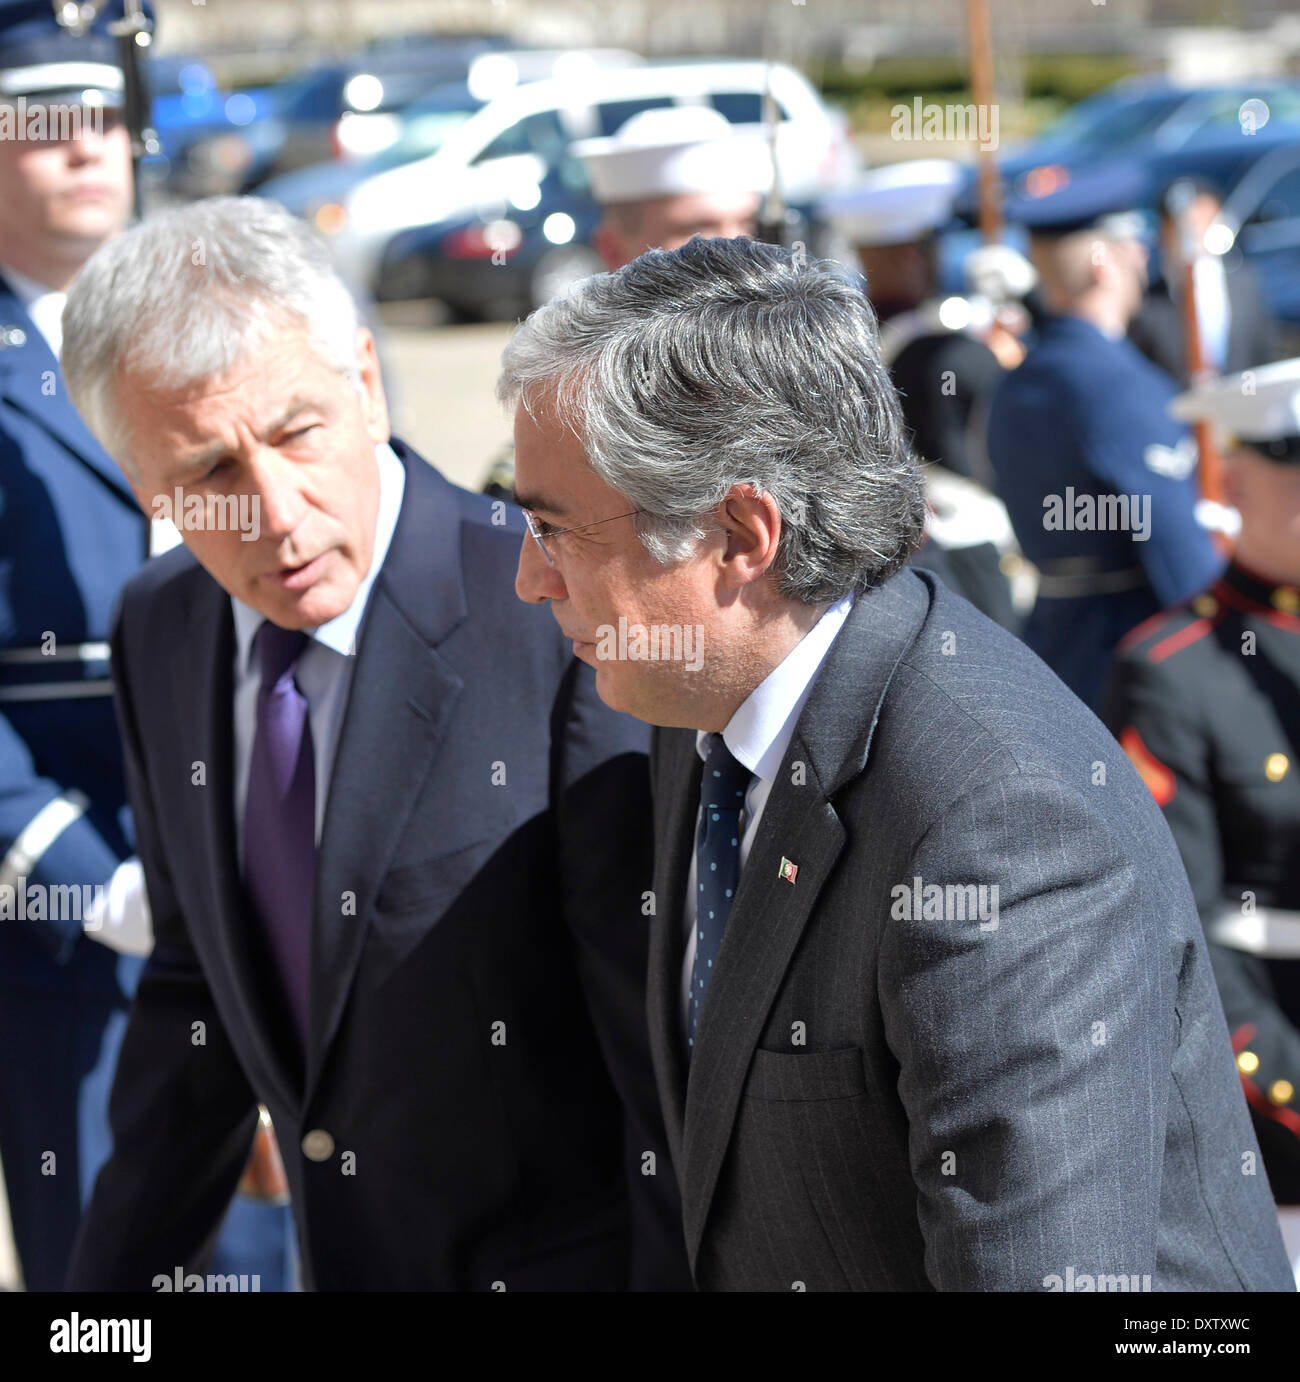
<point>426,139</point>
<point>428,142</point>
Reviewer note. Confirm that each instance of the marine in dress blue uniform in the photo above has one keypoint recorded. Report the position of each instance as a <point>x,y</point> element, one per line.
<point>71,535</point>
<point>1098,479</point>
<point>1205,699</point>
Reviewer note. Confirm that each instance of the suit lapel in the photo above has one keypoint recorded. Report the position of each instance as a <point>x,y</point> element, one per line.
<point>675,812</point>
<point>402,698</point>
<point>28,372</point>
<point>832,742</point>
<point>203,677</point>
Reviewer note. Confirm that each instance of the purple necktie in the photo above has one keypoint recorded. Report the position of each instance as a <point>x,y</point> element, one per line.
<point>280,816</point>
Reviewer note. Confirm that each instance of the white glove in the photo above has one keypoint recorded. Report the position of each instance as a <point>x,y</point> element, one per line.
<point>119,917</point>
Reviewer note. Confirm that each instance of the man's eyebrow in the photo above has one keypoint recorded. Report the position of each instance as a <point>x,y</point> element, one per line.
<point>537,503</point>
<point>203,460</point>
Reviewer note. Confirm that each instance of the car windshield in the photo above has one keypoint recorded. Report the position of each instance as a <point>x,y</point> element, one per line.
<point>421,136</point>
<point>1110,122</point>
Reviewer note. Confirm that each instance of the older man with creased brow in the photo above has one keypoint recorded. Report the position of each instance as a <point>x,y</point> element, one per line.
<point>395,847</point>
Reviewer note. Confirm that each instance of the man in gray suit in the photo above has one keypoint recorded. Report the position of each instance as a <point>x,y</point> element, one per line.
<point>929,1000</point>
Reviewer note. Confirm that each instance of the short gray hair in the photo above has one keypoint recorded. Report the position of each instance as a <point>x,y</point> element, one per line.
<point>732,362</point>
<point>182,297</point>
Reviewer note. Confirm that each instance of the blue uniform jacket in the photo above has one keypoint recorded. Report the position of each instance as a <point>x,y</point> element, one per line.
<point>1082,418</point>
<point>71,535</point>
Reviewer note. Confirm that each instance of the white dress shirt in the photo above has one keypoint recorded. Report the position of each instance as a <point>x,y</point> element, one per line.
<point>758,735</point>
<point>44,306</point>
<point>324,668</point>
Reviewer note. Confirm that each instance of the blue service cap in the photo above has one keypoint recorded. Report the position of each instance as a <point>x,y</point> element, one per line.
<point>42,59</point>
<point>1055,200</point>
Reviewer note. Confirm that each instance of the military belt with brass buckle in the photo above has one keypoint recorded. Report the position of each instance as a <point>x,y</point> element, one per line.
<point>1072,578</point>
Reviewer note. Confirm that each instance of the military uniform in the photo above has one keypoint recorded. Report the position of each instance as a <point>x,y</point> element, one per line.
<point>71,535</point>
<point>1206,702</point>
<point>942,371</point>
<point>1099,480</point>
<point>944,377</point>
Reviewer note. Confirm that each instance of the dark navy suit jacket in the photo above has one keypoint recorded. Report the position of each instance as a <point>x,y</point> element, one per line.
<point>476,1109</point>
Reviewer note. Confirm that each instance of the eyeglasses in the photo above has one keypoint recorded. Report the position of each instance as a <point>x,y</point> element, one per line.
<point>543,532</point>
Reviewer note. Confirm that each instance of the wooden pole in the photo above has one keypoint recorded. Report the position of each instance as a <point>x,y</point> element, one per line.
<point>980,34</point>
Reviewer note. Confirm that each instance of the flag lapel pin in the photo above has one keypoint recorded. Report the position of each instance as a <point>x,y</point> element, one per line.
<point>788,871</point>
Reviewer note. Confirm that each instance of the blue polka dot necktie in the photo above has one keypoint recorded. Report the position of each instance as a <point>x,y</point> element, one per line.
<point>723,784</point>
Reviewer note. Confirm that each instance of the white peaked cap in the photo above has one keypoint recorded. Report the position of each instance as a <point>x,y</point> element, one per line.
<point>896,203</point>
<point>1257,405</point>
<point>675,151</point>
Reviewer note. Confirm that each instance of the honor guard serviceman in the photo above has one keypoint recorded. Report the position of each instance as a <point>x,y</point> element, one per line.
<point>1206,701</point>
<point>1098,479</point>
<point>70,537</point>
<point>941,368</point>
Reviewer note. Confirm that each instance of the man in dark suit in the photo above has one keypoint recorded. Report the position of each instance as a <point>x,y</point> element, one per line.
<point>929,1001</point>
<point>70,537</point>
<point>396,850</point>
<point>1237,329</point>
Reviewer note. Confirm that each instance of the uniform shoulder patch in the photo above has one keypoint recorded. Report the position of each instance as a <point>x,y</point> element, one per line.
<point>1159,779</point>
<point>1169,632</point>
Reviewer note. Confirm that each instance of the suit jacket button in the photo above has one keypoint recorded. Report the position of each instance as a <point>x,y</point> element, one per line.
<point>318,1145</point>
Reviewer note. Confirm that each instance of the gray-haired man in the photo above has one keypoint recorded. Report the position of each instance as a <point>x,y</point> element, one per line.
<point>395,847</point>
<point>928,997</point>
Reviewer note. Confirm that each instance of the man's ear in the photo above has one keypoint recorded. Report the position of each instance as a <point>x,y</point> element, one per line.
<point>374,402</point>
<point>608,243</point>
<point>1234,487</point>
<point>753,524</point>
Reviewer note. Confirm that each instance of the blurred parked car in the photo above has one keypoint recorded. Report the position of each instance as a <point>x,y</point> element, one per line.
<point>188,108</point>
<point>505,152</point>
<point>1148,117</point>
<point>1221,151</point>
<point>1260,220</point>
<point>346,107</point>
<point>501,261</point>
<point>316,193</point>
<point>354,109</point>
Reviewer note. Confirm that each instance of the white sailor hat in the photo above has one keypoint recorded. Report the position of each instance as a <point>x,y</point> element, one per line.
<point>896,203</point>
<point>675,151</point>
<point>1260,408</point>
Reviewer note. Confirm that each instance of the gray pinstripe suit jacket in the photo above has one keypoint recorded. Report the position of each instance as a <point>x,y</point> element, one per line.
<point>885,1102</point>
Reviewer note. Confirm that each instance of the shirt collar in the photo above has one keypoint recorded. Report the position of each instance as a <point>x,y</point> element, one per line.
<point>340,633</point>
<point>760,731</point>
<point>44,306</point>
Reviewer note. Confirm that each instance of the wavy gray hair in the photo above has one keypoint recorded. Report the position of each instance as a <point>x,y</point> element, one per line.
<point>183,296</point>
<point>729,362</point>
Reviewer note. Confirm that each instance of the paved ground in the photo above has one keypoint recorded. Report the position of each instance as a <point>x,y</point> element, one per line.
<point>440,382</point>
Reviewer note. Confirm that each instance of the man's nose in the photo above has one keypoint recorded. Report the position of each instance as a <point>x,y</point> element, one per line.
<point>275,492</point>
<point>86,146</point>
<point>537,580</point>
